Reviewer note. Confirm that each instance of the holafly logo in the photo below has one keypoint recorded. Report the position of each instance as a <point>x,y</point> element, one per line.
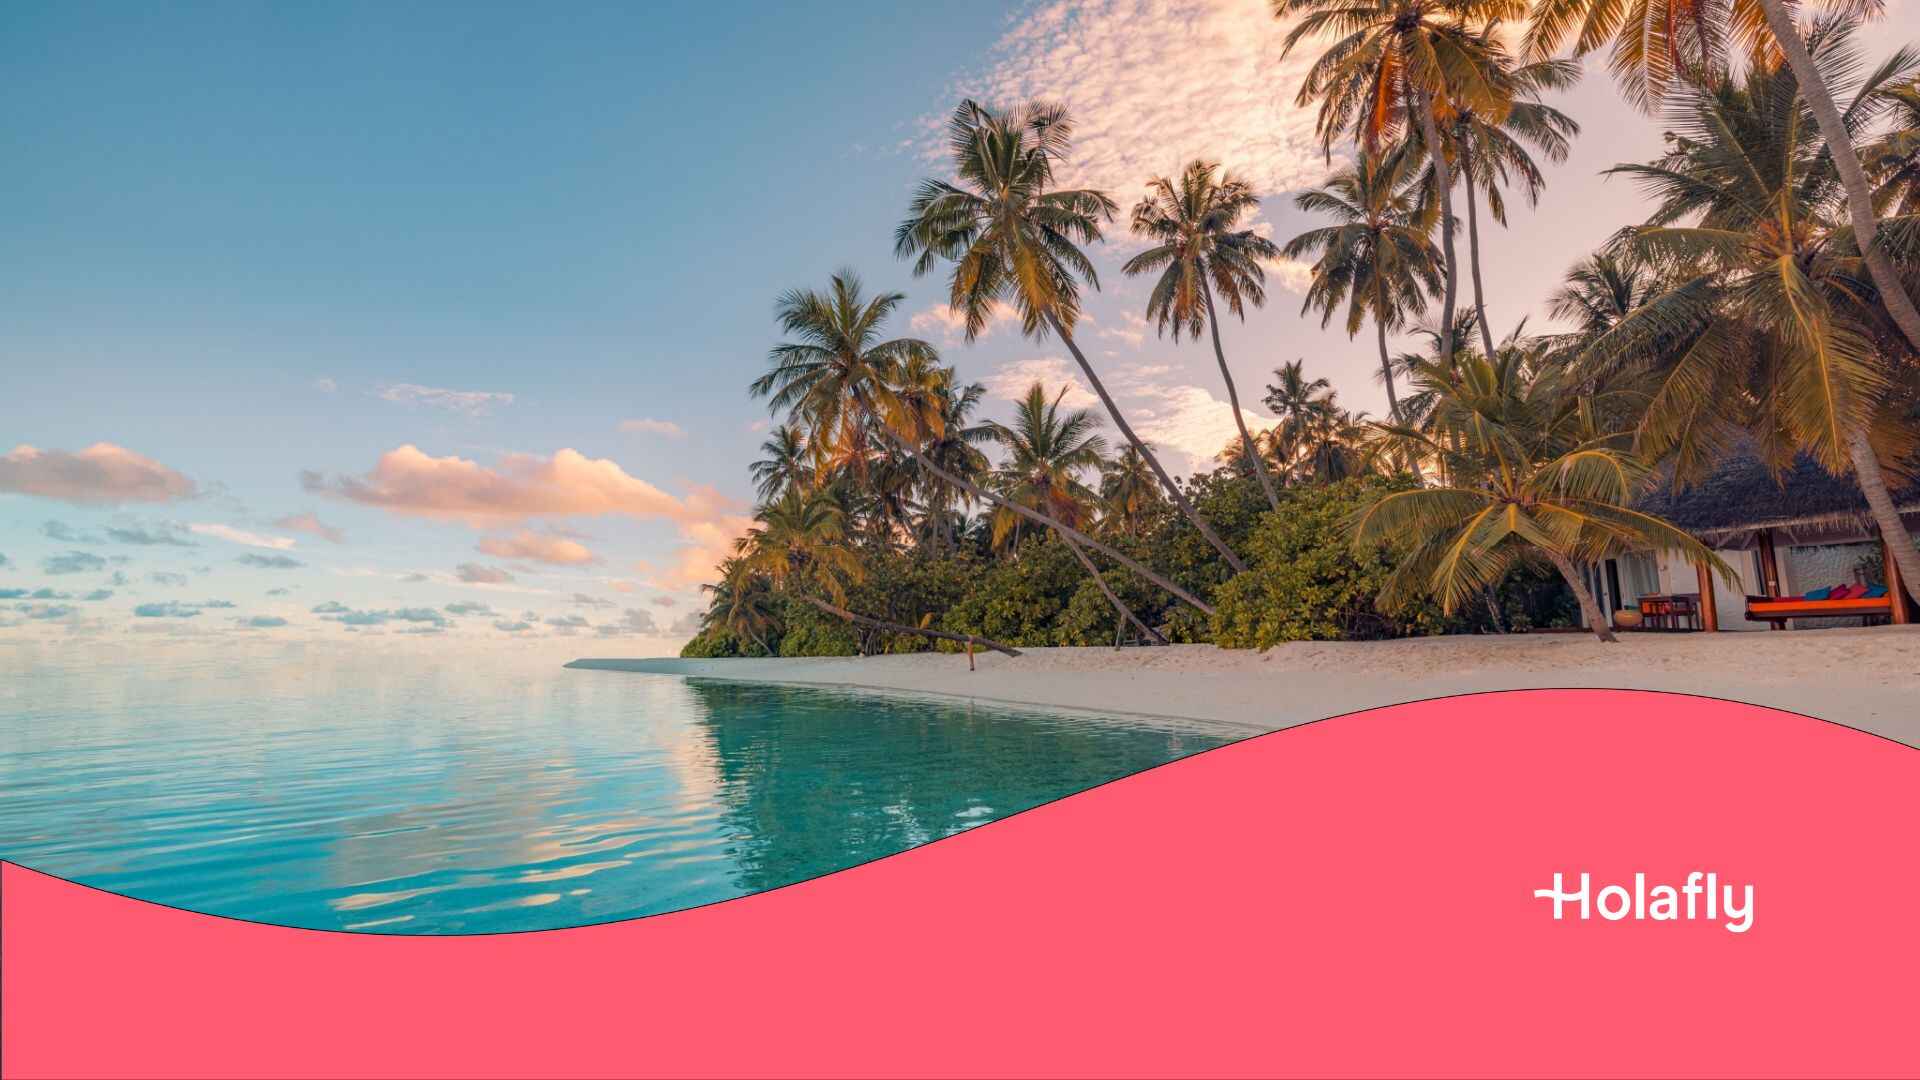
<point>1701,897</point>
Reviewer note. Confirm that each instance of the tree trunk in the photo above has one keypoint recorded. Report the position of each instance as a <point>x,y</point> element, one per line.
<point>1393,402</point>
<point>1852,177</point>
<point>900,628</point>
<point>1473,252</point>
<point>1125,612</point>
<point>1589,609</point>
<point>1493,609</point>
<point>758,640</point>
<point>1041,519</point>
<point>1442,178</point>
<point>1893,531</point>
<point>1173,490</point>
<point>1247,445</point>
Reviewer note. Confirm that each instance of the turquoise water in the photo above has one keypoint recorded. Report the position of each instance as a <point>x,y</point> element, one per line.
<point>428,796</point>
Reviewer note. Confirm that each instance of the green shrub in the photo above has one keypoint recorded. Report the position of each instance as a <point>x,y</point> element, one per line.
<point>1304,582</point>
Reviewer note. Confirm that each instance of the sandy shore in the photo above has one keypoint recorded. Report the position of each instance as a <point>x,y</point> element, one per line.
<point>1866,678</point>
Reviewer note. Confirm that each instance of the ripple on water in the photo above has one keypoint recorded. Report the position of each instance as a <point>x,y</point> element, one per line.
<point>345,791</point>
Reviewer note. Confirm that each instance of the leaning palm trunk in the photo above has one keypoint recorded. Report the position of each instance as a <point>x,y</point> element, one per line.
<point>1893,531</point>
<point>1443,179</point>
<point>1247,445</point>
<point>1125,612</point>
<point>1393,402</point>
<point>1589,609</point>
<point>1852,177</point>
<point>902,628</point>
<point>1173,490</point>
<point>1473,252</point>
<point>1039,518</point>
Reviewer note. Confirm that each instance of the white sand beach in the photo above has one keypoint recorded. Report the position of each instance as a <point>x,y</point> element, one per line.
<point>1865,678</point>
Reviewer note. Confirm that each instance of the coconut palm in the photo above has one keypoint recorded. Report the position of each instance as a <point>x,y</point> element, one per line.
<point>1599,291</point>
<point>1128,492</point>
<point>788,462</point>
<point>1529,477</point>
<point>1490,154</point>
<point>953,443</point>
<point>1772,305</point>
<point>742,603</point>
<point>1400,64</point>
<point>1198,251</point>
<point>1377,259</point>
<point>841,381</point>
<point>1046,451</point>
<point>1895,159</point>
<point>800,544</point>
<point>1300,403</point>
<point>1654,40</point>
<point>1012,236</point>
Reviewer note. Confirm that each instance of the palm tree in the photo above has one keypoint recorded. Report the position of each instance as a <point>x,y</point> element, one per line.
<point>788,462</point>
<point>840,381</point>
<point>1492,153</point>
<point>1599,292</point>
<point>1197,251</point>
<point>1335,446</point>
<point>801,546</point>
<point>742,603</point>
<point>1300,403</point>
<point>1651,40</point>
<point>1012,235</point>
<point>1770,304</point>
<point>953,444</point>
<point>1128,492</point>
<point>1528,477</point>
<point>1046,451</point>
<point>1399,64</point>
<point>1378,260</point>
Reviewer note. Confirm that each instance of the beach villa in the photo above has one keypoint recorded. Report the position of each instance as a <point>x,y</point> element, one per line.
<point>1795,541</point>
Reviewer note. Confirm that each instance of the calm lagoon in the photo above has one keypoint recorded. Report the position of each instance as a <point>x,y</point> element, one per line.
<point>422,794</point>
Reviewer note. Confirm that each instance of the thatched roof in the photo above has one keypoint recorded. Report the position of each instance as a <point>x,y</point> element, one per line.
<point>1741,495</point>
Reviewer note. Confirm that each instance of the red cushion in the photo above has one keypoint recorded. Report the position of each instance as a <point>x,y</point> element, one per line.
<point>1841,592</point>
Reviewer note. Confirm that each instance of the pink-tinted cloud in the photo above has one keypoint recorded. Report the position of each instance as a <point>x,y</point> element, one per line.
<point>524,487</point>
<point>408,481</point>
<point>311,524</point>
<point>1155,83</point>
<point>538,547</point>
<point>1012,379</point>
<point>101,474</point>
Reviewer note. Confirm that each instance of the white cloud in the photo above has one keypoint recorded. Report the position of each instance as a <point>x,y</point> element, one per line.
<point>1290,275</point>
<point>1132,329</point>
<point>1153,84</point>
<point>1011,380</point>
<point>951,325</point>
<point>325,386</point>
<point>241,536</point>
<point>1189,420</point>
<point>470,402</point>
<point>649,426</point>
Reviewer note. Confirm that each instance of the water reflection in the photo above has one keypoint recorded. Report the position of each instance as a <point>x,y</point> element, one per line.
<point>330,789</point>
<point>813,779</point>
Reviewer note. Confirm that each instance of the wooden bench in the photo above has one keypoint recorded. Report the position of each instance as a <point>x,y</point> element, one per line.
<point>1778,610</point>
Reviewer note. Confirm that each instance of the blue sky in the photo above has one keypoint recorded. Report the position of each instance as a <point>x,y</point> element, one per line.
<point>249,242</point>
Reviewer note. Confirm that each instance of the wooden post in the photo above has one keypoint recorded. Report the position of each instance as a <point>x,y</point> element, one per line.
<point>1770,574</point>
<point>1709,607</point>
<point>1897,607</point>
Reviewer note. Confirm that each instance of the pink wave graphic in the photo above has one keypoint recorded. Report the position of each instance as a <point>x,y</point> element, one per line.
<point>1354,897</point>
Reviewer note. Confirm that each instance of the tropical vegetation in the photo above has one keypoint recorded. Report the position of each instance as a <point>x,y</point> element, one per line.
<point>1765,300</point>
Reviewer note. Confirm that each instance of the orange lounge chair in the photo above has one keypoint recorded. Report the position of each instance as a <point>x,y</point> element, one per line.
<point>1779,609</point>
